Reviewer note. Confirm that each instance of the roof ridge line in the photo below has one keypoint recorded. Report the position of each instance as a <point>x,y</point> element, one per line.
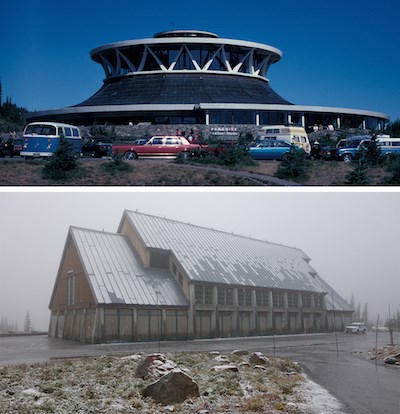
<point>213,229</point>
<point>96,231</point>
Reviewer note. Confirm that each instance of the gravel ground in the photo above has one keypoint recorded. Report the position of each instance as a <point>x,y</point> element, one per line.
<point>108,385</point>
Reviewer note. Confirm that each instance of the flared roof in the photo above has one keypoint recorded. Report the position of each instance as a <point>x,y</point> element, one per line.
<point>181,88</point>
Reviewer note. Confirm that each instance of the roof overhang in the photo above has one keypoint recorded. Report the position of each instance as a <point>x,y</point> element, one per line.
<point>187,40</point>
<point>205,106</point>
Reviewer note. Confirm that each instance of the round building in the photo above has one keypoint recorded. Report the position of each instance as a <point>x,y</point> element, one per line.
<point>196,77</point>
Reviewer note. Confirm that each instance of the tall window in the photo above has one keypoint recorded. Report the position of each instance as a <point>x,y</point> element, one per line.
<point>244,297</point>
<point>278,299</point>
<point>319,301</point>
<point>306,299</point>
<point>71,290</point>
<point>293,300</point>
<point>225,296</point>
<point>262,297</point>
<point>203,295</point>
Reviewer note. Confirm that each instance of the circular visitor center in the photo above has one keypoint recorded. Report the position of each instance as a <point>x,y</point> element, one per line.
<point>196,77</point>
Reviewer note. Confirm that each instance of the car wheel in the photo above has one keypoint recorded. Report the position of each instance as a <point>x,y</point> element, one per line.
<point>347,158</point>
<point>130,155</point>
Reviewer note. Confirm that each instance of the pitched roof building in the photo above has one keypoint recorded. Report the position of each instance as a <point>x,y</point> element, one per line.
<point>163,279</point>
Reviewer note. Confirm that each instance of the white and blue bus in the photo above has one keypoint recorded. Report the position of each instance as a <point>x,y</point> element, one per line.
<point>41,139</point>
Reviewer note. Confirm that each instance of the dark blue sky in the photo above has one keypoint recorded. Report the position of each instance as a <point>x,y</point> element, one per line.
<point>341,53</point>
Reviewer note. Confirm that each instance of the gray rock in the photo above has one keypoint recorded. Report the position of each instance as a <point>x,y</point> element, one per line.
<point>174,387</point>
<point>154,365</point>
<point>219,368</point>
<point>239,352</point>
<point>259,359</point>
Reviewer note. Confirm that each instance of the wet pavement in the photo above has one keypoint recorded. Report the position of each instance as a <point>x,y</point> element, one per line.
<point>362,386</point>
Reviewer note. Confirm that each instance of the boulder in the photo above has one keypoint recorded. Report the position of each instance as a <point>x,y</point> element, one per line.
<point>174,387</point>
<point>225,368</point>
<point>259,359</point>
<point>239,352</point>
<point>154,365</point>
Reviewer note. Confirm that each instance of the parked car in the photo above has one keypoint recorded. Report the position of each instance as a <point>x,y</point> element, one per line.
<point>11,147</point>
<point>156,146</point>
<point>353,145</point>
<point>293,134</point>
<point>356,328</point>
<point>380,328</point>
<point>392,359</point>
<point>271,149</point>
<point>320,151</point>
<point>97,147</point>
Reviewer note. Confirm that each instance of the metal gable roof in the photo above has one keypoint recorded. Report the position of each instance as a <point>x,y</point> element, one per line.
<point>208,255</point>
<point>116,274</point>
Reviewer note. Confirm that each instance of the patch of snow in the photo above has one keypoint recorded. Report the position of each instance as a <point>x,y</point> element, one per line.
<point>33,392</point>
<point>319,400</point>
<point>134,357</point>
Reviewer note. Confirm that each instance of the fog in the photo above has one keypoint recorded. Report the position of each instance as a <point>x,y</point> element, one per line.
<point>351,237</point>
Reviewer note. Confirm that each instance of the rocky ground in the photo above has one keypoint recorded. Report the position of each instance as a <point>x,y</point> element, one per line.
<point>111,385</point>
<point>381,353</point>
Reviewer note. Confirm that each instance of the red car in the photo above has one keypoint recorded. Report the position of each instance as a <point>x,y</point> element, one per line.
<point>156,146</point>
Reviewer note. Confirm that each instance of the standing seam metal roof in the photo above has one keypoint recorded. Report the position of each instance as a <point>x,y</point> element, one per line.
<point>213,256</point>
<point>116,275</point>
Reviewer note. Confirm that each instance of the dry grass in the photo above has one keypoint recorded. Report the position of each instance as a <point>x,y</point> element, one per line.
<point>108,385</point>
<point>167,173</point>
<point>143,173</point>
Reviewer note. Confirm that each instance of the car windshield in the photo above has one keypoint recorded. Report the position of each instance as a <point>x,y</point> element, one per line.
<point>353,143</point>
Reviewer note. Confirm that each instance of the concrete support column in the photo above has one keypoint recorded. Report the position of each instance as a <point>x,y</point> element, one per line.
<point>270,320</point>
<point>214,330</point>
<point>257,118</point>
<point>134,323</point>
<point>285,322</point>
<point>289,118</point>
<point>253,327</point>
<point>303,120</point>
<point>163,323</point>
<point>338,125</point>
<point>235,317</point>
<point>191,313</point>
<point>207,118</point>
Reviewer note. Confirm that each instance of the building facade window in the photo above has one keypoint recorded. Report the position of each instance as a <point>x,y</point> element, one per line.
<point>278,300</point>
<point>262,298</point>
<point>71,290</point>
<point>319,301</point>
<point>293,300</point>
<point>233,117</point>
<point>159,258</point>
<point>306,300</point>
<point>244,297</point>
<point>225,296</point>
<point>203,295</point>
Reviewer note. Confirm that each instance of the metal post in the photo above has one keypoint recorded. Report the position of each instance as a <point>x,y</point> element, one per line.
<point>159,322</point>
<point>334,325</point>
<point>376,341</point>
<point>390,328</point>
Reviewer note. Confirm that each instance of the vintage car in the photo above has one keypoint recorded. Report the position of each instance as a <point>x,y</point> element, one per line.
<point>271,149</point>
<point>356,328</point>
<point>380,328</point>
<point>155,147</point>
<point>11,147</point>
<point>97,147</point>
